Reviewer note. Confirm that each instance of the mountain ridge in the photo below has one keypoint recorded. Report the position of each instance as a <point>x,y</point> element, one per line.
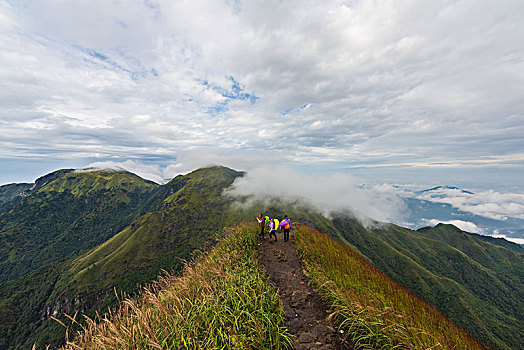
<point>445,188</point>
<point>175,220</point>
<point>66,212</point>
<point>169,232</point>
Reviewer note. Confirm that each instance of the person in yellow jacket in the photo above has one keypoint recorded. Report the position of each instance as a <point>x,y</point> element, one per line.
<point>273,225</point>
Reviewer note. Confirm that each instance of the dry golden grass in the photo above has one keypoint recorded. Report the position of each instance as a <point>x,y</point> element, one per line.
<point>373,310</point>
<point>221,301</point>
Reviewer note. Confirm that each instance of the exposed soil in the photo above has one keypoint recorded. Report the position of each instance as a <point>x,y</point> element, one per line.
<point>307,315</point>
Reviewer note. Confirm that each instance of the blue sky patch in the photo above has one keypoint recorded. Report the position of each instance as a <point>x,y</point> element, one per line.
<point>104,61</point>
<point>235,92</point>
<point>218,108</point>
<point>294,109</point>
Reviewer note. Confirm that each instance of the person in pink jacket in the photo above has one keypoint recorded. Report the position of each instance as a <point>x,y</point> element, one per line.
<point>262,222</point>
<point>286,225</point>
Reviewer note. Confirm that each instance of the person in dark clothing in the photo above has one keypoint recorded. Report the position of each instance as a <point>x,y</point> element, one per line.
<point>286,225</point>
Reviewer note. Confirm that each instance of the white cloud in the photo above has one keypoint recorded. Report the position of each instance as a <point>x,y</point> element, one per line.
<point>149,172</point>
<point>332,83</point>
<point>327,192</point>
<point>463,225</point>
<point>186,162</point>
<point>511,239</point>
<point>490,204</point>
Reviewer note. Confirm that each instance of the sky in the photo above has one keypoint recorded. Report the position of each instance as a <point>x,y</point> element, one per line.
<point>413,92</point>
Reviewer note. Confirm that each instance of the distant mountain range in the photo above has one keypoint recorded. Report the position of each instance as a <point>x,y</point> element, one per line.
<point>431,206</point>
<point>72,238</point>
<point>445,188</point>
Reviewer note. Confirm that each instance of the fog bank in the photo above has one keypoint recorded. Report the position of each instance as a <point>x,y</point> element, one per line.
<point>326,192</point>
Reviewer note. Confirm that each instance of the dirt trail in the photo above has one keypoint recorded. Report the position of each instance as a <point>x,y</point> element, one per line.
<point>306,313</point>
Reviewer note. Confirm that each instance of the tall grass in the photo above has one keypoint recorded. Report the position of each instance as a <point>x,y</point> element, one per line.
<point>222,301</point>
<point>374,311</point>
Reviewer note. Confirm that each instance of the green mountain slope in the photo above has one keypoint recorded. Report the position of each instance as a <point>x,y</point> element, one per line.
<point>23,308</point>
<point>517,248</point>
<point>134,229</point>
<point>477,284</point>
<point>11,194</point>
<point>192,212</point>
<point>65,213</point>
<point>191,218</point>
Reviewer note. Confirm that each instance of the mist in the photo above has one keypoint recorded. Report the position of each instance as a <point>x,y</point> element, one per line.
<point>326,192</point>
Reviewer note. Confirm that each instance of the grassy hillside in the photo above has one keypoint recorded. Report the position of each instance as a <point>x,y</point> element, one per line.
<point>484,299</point>
<point>10,195</point>
<point>192,212</point>
<point>517,248</point>
<point>67,213</point>
<point>23,308</point>
<point>374,311</point>
<point>221,301</point>
<point>477,284</point>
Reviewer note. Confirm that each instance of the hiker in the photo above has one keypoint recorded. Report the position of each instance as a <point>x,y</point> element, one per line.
<point>273,225</point>
<point>286,225</point>
<point>267,218</point>
<point>262,222</point>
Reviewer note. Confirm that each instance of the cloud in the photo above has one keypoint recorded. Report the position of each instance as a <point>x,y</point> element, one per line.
<point>149,172</point>
<point>327,192</point>
<point>334,84</point>
<point>463,225</point>
<point>511,239</point>
<point>268,179</point>
<point>490,204</point>
<point>186,162</point>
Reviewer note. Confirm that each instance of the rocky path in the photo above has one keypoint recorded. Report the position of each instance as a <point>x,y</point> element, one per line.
<point>305,311</point>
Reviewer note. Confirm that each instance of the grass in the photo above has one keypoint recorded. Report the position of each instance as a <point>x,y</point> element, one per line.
<point>374,311</point>
<point>222,301</point>
<point>82,183</point>
<point>474,283</point>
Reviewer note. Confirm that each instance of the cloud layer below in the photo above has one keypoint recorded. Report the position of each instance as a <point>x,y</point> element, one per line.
<point>490,204</point>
